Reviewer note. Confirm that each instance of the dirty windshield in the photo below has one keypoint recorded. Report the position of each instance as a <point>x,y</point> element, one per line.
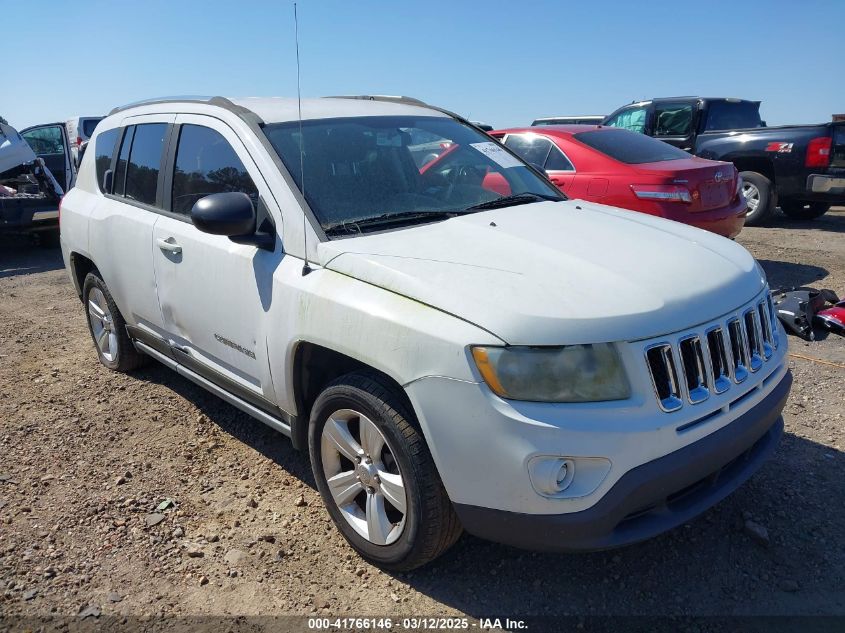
<point>375,173</point>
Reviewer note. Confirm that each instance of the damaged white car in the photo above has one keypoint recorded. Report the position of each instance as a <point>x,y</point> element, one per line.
<point>29,192</point>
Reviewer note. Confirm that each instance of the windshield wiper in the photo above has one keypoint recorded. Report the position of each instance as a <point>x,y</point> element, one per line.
<point>510,201</point>
<point>361,225</point>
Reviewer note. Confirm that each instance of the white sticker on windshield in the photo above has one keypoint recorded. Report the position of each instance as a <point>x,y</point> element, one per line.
<point>497,154</point>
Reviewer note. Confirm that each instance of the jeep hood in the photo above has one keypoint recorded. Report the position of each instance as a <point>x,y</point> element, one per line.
<point>553,273</point>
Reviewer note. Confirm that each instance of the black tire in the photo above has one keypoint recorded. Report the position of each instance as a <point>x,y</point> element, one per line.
<point>125,357</point>
<point>800,210</point>
<point>764,194</point>
<point>431,525</point>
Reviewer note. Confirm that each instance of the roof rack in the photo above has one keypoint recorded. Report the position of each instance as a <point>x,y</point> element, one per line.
<point>222,102</point>
<point>390,98</point>
<point>406,100</point>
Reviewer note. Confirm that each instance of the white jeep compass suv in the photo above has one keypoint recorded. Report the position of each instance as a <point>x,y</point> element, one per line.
<point>457,344</point>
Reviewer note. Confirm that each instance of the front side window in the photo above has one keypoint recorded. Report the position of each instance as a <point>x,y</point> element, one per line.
<point>103,152</point>
<point>45,140</point>
<point>375,173</point>
<point>532,148</point>
<point>630,148</point>
<point>673,119</point>
<point>632,119</point>
<point>206,164</point>
<point>145,162</point>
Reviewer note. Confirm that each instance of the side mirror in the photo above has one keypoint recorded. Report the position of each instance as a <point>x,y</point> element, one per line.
<point>230,214</point>
<point>81,152</point>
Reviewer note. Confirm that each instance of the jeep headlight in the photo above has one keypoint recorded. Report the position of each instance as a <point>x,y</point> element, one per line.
<point>576,373</point>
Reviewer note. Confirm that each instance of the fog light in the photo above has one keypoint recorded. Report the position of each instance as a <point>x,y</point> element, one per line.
<point>551,476</point>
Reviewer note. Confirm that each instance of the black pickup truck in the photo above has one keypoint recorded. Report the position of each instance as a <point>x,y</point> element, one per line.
<point>800,168</point>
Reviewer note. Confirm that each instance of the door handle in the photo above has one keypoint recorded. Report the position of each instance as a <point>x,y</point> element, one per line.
<point>169,245</point>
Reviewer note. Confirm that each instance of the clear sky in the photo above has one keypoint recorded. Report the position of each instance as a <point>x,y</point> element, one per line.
<point>505,63</point>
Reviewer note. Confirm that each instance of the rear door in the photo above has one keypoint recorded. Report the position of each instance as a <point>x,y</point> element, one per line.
<point>121,226</point>
<point>215,294</point>
<point>50,143</point>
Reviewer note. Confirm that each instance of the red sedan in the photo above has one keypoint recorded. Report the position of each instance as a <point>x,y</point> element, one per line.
<point>624,169</point>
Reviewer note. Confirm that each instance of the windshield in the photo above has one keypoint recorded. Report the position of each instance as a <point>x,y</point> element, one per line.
<point>417,168</point>
<point>630,147</point>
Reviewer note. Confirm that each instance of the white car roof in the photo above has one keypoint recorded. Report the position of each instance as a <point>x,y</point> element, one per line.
<point>285,109</point>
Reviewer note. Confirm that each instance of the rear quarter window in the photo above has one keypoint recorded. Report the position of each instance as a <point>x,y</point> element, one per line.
<point>103,152</point>
<point>629,147</point>
<point>88,126</point>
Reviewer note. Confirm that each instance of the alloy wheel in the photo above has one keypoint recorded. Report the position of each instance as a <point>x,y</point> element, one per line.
<point>752,196</point>
<point>363,476</point>
<point>102,324</point>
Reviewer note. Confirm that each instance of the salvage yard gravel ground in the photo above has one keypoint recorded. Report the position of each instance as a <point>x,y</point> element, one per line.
<point>142,494</point>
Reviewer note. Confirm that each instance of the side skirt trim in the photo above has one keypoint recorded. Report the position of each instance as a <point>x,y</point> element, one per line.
<point>246,407</point>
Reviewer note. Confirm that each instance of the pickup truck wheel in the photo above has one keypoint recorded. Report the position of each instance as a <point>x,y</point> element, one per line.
<point>107,327</point>
<point>376,474</point>
<point>798,210</point>
<point>757,190</point>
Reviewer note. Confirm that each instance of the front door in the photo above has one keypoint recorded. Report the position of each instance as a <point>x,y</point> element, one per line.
<point>49,142</point>
<point>215,294</point>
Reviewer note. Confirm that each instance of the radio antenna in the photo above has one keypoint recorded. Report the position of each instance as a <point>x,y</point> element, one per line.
<point>305,267</point>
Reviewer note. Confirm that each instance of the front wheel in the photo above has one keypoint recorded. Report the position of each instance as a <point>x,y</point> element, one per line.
<point>376,475</point>
<point>799,210</point>
<point>758,193</point>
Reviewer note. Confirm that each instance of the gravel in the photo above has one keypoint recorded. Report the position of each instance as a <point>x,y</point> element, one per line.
<point>142,494</point>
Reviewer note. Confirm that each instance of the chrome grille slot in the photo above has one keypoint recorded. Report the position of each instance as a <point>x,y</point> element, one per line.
<point>755,339</point>
<point>766,328</point>
<point>695,372</point>
<point>720,364</point>
<point>773,321</point>
<point>739,351</point>
<point>664,376</point>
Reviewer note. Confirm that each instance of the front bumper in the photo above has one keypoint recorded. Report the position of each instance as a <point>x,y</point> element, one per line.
<point>652,498</point>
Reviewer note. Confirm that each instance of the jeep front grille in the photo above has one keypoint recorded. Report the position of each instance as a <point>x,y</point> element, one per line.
<point>725,353</point>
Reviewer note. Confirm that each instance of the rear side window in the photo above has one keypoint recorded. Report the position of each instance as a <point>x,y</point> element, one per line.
<point>628,147</point>
<point>557,161</point>
<point>531,148</point>
<point>144,162</point>
<point>732,115</point>
<point>103,152</point>
<point>206,164</point>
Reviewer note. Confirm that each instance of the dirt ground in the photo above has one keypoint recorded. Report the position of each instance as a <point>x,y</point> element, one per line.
<point>87,456</point>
